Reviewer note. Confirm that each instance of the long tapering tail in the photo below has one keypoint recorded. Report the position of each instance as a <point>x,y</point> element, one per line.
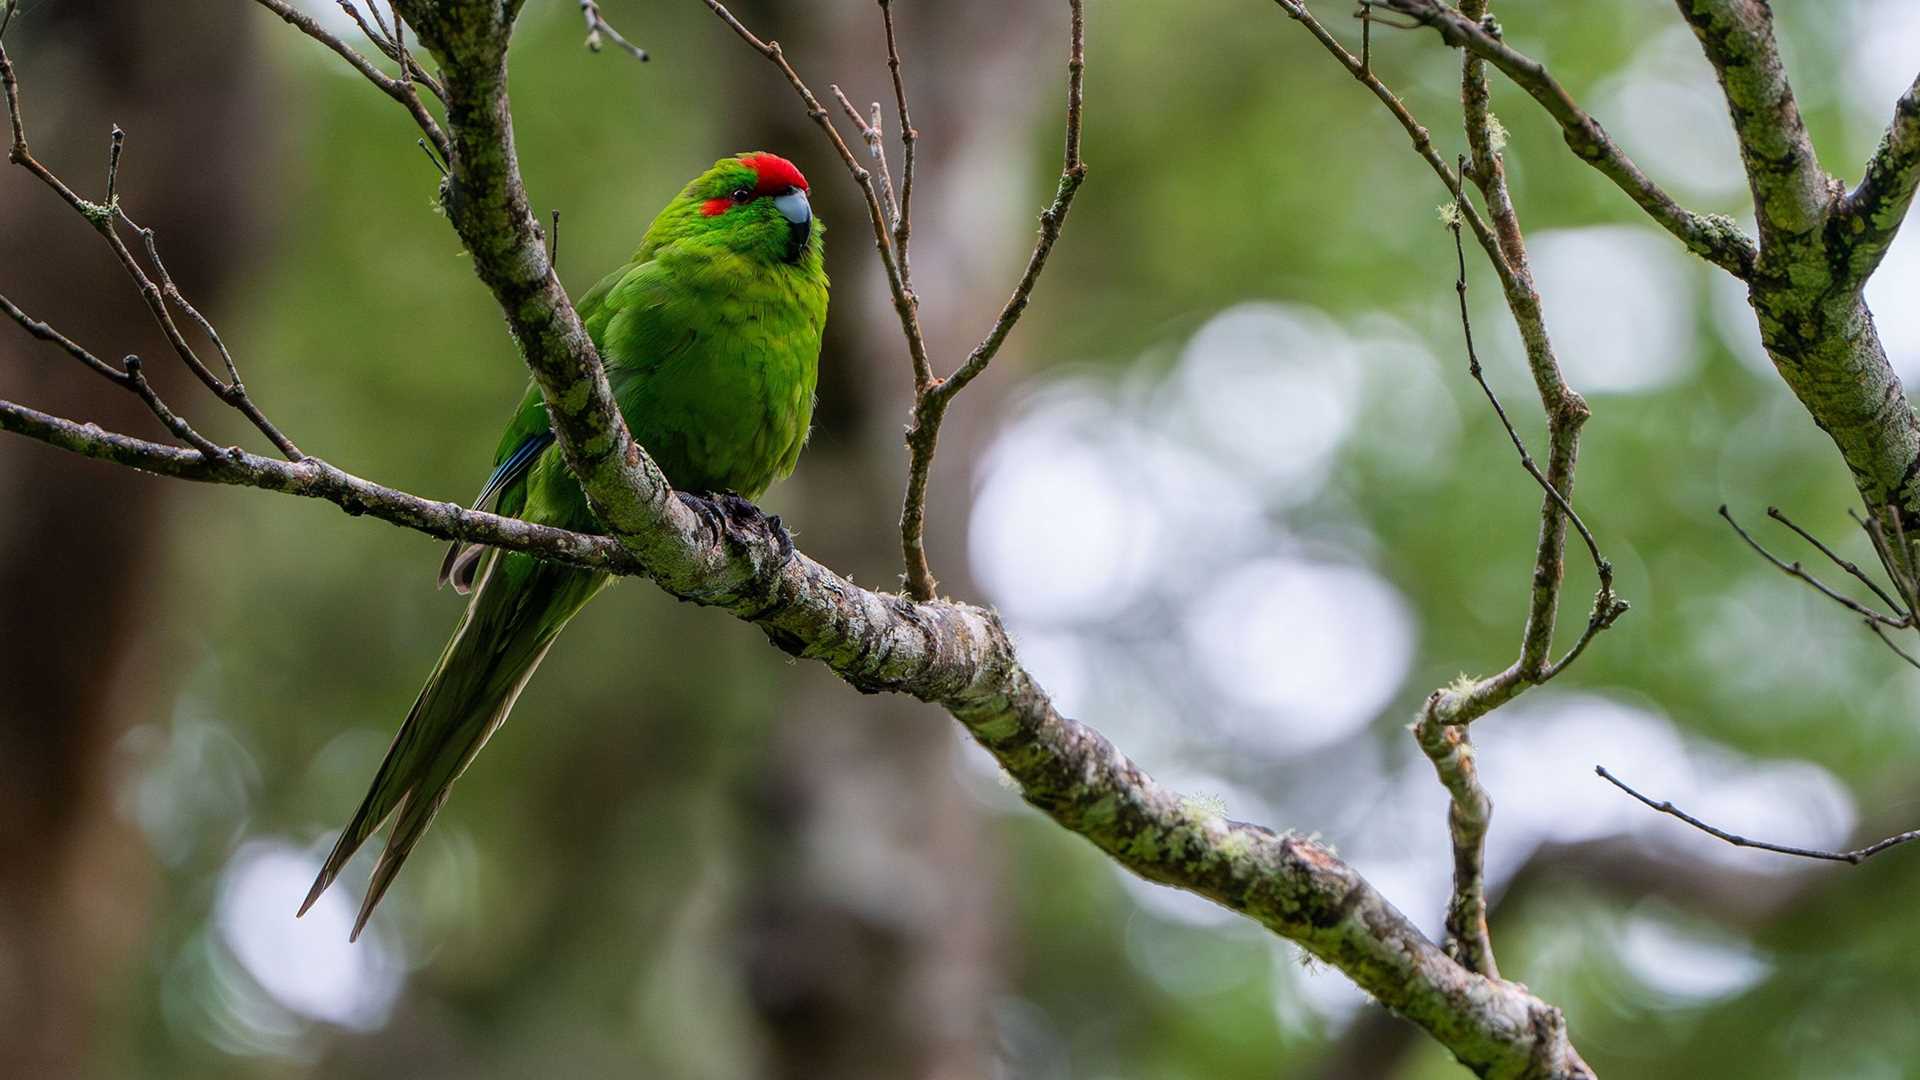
<point>520,606</point>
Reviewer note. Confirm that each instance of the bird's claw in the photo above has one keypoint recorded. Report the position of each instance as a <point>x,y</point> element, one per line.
<point>740,519</point>
<point>782,539</point>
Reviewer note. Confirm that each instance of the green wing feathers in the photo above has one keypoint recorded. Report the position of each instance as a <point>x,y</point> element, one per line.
<point>518,609</point>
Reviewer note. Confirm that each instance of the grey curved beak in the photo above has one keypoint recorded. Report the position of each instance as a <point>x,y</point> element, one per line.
<point>799,214</point>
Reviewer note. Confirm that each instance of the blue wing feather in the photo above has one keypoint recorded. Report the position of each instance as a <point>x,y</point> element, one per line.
<point>463,559</point>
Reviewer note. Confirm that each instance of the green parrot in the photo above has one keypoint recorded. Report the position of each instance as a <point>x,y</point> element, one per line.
<point>711,339</point>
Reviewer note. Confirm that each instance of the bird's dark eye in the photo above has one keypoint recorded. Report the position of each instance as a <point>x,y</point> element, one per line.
<point>741,195</point>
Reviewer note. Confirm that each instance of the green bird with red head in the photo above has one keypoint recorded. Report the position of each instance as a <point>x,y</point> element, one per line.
<point>711,341</point>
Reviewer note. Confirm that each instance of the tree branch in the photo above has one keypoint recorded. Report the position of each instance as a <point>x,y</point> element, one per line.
<point>157,296</point>
<point>1855,856</point>
<point>1713,237</point>
<point>1870,215</point>
<point>909,136</point>
<point>597,25</point>
<point>400,90</point>
<point>1440,729</point>
<point>1806,286</point>
<point>1791,192</point>
<point>1565,409</point>
<point>932,400</point>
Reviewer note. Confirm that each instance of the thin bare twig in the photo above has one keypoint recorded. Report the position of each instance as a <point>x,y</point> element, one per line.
<point>1607,608</point>
<point>1854,857</point>
<point>392,43</point>
<point>870,132</point>
<point>383,40</point>
<point>1073,171</point>
<point>396,89</point>
<point>1859,575</point>
<point>128,377</point>
<point>1794,569</point>
<point>909,136</point>
<point>437,163</point>
<point>1888,642</point>
<point>171,291</point>
<point>36,328</point>
<point>137,382</point>
<point>1712,237</point>
<point>598,25</point>
<point>160,297</point>
<point>1896,569</point>
<point>1520,447</point>
<point>1365,15</point>
<point>116,144</point>
<point>931,401</point>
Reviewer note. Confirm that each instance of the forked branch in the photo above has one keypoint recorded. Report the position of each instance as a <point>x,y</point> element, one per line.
<point>1713,237</point>
<point>892,223</point>
<point>161,297</point>
<point>1871,214</point>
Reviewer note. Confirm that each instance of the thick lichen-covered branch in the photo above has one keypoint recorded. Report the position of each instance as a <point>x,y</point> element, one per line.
<point>1871,214</point>
<point>1791,192</point>
<point>1817,246</point>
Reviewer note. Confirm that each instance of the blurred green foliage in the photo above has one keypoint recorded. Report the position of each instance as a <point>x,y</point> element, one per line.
<point>567,916</point>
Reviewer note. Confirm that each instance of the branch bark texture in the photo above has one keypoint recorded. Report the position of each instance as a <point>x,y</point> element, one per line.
<point>726,554</point>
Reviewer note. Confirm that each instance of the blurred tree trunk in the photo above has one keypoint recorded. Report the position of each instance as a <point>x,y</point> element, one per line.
<point>873,950</point>
<point>78,541</point>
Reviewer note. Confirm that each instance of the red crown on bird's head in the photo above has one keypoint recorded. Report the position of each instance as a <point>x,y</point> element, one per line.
<point>775,174</point>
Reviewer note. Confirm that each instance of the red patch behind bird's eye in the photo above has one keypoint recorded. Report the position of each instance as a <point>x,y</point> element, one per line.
<point>715,207</point>
<point>774,174</point>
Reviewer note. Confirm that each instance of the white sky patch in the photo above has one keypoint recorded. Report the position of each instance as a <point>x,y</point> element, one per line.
<point>1273,388</point>
<point>329,14</point>
<point>1886,52</point>
<point>1686,965</point>
<point>1407,394</point>
<point>1619,302</point>
<point>1893,295</point>
<point>1056,533</point>
<point>1667,108</point>
<point>1314,648</point>
<point>306,964</point>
